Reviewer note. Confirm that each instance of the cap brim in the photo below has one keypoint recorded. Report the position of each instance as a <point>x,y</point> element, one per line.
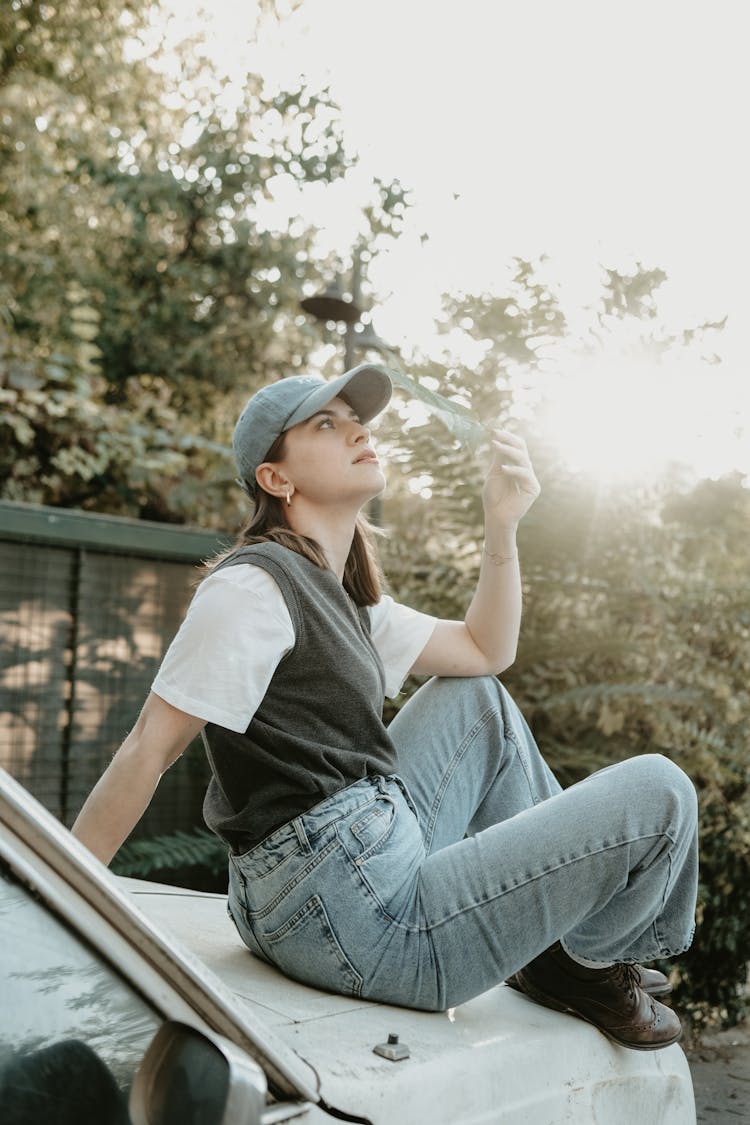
<point>367,389</point>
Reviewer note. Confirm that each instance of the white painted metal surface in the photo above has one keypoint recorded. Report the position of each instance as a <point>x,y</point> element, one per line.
<point>498,1059</point>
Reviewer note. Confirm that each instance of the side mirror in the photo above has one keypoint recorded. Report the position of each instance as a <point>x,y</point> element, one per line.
<point>189,1078</point>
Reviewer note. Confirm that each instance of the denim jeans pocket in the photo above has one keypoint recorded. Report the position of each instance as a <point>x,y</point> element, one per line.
<point>306,947</point>
<point>374,827</point>
<point>317,899</point>
<point>264,900</point>
<point>386,849</point>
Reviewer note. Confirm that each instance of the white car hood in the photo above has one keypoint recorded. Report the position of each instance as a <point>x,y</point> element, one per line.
<point>499,1057</point>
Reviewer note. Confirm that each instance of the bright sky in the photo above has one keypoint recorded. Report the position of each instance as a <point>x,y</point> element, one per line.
<point>595,133</point>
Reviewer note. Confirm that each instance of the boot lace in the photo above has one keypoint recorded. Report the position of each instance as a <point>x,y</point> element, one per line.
<point>628,977</point>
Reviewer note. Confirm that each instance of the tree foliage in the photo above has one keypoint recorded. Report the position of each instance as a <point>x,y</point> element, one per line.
<point>147,286</point>
<point>636,632</point>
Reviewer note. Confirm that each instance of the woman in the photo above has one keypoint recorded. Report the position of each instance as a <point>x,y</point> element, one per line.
<point>421,864</point>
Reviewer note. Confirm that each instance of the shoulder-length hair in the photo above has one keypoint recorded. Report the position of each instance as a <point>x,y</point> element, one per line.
<point>363,576</point>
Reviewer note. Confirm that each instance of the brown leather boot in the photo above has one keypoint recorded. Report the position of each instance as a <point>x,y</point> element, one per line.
<point>650,980</point>
<point>611,999</point>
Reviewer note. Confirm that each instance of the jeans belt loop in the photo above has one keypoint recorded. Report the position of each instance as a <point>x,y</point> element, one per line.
<point>301,835</point>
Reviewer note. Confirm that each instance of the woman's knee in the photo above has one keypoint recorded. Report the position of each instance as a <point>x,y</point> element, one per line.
<point>663,773</point>
<point>659,782</point>
<point>482,692</point>
<point>464,685</point>
<point>471,694</point>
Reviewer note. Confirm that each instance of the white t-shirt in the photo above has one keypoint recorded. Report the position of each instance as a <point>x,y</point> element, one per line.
<point>236,631</point>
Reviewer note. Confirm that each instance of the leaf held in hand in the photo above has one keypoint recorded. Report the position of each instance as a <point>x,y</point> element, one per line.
<point>457,419</point>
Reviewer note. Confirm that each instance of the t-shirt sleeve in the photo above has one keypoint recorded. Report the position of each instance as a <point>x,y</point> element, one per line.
<point>220,663</point>
<point>399,633</point>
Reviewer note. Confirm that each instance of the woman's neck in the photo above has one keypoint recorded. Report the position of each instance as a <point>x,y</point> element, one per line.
<point>334,531</point>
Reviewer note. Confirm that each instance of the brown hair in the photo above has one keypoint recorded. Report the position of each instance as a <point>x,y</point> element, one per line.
<point>363,576</point>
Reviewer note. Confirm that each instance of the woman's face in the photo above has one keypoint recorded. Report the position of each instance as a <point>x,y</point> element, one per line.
<point>329,458</point>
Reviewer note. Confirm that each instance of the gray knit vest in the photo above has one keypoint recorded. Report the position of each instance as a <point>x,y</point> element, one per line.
<point>319,726</point>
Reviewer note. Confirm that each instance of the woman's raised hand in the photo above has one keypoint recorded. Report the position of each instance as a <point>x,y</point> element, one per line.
<point>510,487</point>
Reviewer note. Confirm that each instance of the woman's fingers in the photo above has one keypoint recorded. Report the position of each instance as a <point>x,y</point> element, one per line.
<point>511,461</point>
<point>510,464</point>
<point>509,440</point>
<point>516,454</point>
<point>522,475</point>
<point>507,435</point>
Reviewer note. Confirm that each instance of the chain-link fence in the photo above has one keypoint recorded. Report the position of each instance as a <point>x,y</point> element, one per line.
<point>88,605</point>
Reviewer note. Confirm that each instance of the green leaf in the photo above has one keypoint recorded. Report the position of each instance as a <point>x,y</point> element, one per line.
<point>142,858</point>
<point>457,419</point>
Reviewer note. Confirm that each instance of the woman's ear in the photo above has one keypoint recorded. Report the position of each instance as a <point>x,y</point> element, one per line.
<point>271,480</point>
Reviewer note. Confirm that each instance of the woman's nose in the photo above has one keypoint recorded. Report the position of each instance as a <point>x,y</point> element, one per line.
<point>360,432</point>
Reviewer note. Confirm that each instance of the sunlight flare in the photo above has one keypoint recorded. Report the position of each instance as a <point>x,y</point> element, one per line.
<point>631,417</point>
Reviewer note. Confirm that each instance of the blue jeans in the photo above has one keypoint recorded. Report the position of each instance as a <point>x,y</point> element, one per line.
<point>427,888</point>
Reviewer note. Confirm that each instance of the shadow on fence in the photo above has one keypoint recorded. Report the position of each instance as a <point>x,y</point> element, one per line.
<point>88,605</point>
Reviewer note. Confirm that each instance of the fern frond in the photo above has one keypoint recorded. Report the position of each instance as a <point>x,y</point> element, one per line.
<point>199,848</point>
<point>647,692</point>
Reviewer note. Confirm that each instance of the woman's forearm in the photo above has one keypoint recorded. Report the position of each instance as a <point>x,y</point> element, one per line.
<point>123,793</point>
<point>116,803</point>
<point>510,488</point>
<point>494,615</point>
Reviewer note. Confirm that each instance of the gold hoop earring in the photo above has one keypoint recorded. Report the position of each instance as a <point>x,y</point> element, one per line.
<point>288,499</point>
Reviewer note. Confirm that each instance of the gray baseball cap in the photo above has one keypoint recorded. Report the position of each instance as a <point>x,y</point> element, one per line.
<point>279,406</point>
